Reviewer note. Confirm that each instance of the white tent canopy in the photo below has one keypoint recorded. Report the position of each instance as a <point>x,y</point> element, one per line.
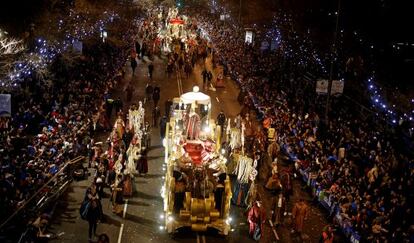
<point>195,96</point>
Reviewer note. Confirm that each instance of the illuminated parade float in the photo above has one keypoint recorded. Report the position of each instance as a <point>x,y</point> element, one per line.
<point>197,190</point>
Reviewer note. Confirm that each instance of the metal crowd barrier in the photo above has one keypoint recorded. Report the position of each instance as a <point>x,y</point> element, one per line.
<point>68,165</point>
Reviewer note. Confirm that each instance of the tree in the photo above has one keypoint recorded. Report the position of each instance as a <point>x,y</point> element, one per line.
<point>9,46</point>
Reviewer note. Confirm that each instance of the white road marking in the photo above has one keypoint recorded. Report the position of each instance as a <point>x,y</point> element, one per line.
<point>125,208</point>
<point>120,233</point>
<point>217,99</point>
<point>274,230</point>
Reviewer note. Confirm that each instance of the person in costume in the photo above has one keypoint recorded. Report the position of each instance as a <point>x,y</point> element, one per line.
<point>256,218</point>
<point>117,195</point>
<point>300,213</point>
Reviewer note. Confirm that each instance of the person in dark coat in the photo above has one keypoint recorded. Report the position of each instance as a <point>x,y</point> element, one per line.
<point>134,65</point>
<point>149,90</point>
<point>163,126</point>
<point>156,95</point>
<point>142,163</point>
<point>143,49</point>
<point>156,113</point>
<point>168,105</point>
<point>93,216</point>
<point>204,73</point>
<point>209,78</point>
<point>130,91</point>
<point>221,121</point>
<point>150,70</point>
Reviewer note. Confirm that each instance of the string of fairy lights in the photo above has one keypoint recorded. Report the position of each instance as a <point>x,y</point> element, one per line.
<point>45,51</point>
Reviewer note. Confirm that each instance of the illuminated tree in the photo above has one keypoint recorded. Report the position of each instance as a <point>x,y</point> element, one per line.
<point>9,46</point>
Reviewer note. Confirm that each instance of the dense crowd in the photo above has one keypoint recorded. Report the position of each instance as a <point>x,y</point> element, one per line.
<point>54,121</point>
<point>353,160</point>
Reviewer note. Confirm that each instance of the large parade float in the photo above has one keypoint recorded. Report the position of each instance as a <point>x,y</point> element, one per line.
<point>197,190</point>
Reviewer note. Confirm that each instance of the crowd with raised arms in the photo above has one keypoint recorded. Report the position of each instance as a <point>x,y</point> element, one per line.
<point>351,162</point>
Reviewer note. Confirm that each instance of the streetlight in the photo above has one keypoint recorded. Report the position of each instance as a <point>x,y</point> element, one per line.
<point>240,9</point>
<point>328,97</point>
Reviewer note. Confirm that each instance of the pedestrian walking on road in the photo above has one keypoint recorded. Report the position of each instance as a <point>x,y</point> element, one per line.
<point>134,65</point>
<point>156,113</point>
<point>204,74</point>
<point>142,163</point>
<point>167,108</point>
<point>148,91</point>
<point>170,68</point>
<point>156,95</point>
<point>300,213</point>
<point>221,121</point>
<point>91,209</point>
<point>130,91</point>
<point>150,70</point>
<point>93,216</point>
<point>187,69</point>
<point>209,78</point>
<point>143,50</point>
<point>163,127</point>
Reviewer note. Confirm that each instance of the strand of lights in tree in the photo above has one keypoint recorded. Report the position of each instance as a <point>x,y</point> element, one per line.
<point>45,52</point>
<point>378,101</point>
<point>387,110</point>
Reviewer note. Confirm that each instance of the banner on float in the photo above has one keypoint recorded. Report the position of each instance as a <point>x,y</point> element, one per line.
<point>5,105</point>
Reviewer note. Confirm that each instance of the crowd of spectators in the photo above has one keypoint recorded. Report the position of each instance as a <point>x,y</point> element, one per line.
<point>54,121</point>
<point>352,159</point>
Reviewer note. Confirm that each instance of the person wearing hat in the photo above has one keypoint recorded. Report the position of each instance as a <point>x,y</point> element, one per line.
<point>256,218</point>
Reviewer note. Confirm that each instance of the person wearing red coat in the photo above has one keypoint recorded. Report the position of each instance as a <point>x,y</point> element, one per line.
<point>256,218</point>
